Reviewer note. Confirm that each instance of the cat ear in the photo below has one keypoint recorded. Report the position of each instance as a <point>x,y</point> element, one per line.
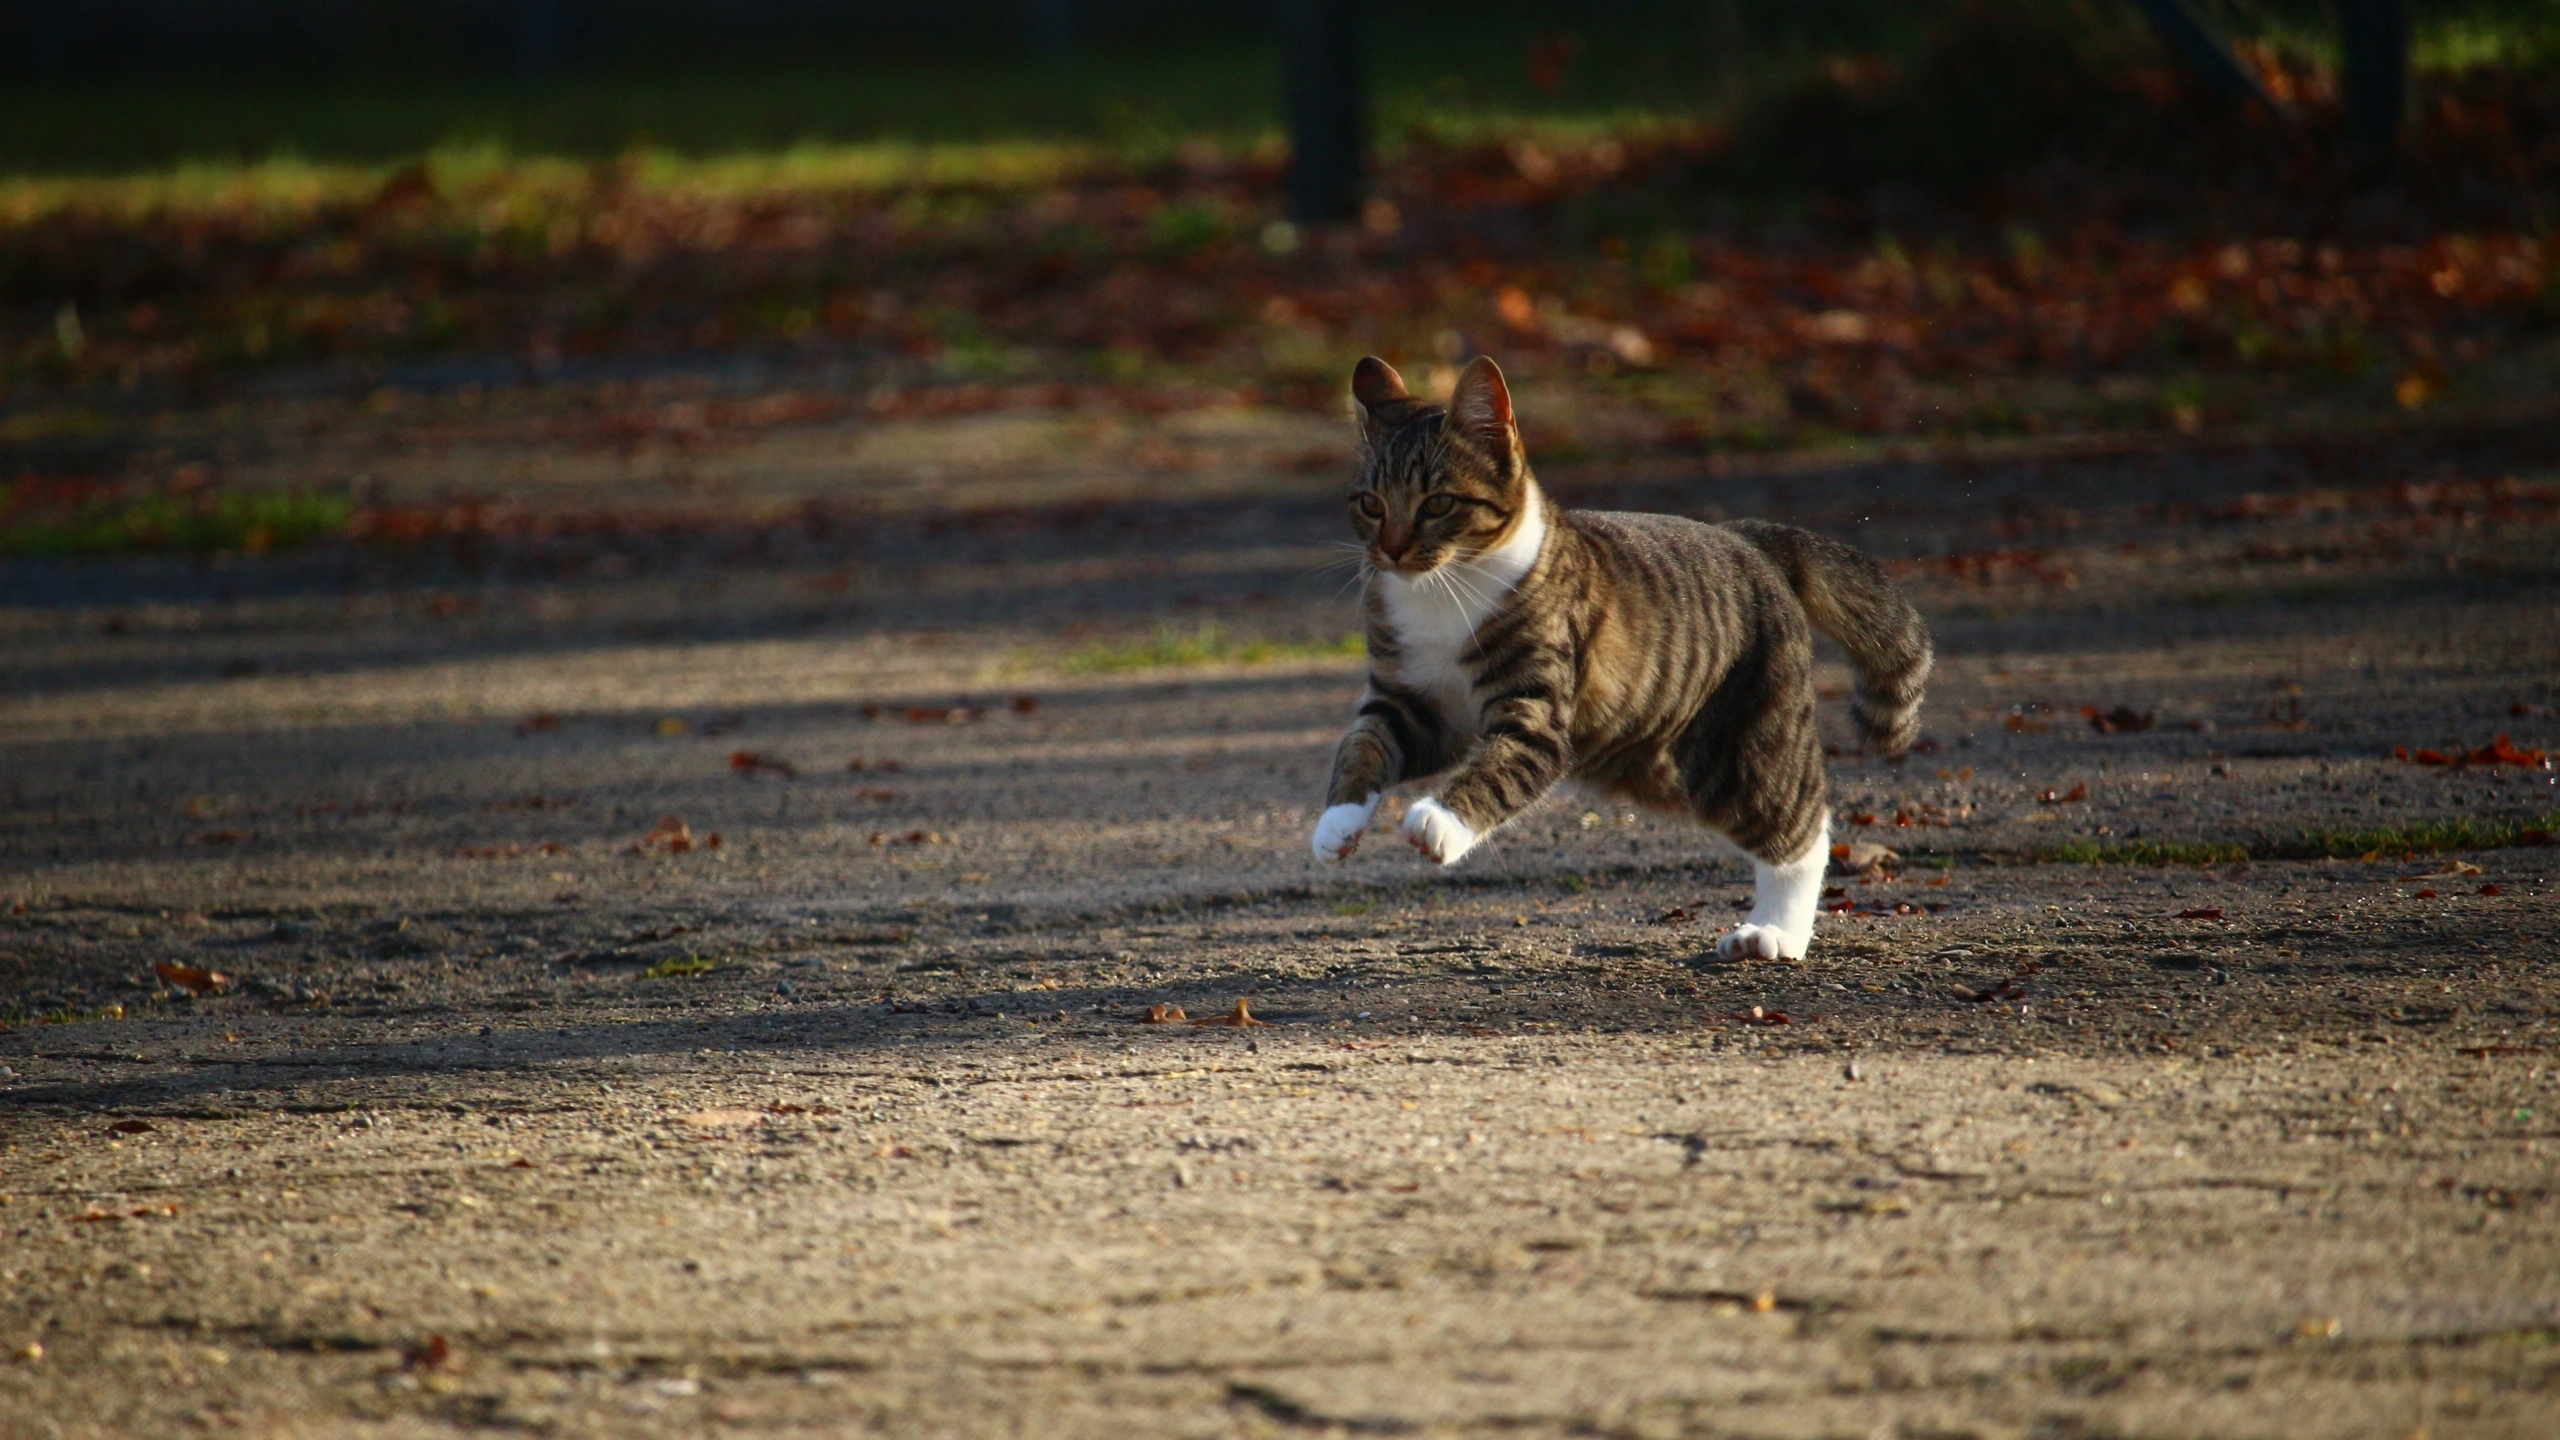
<point>1481,408</point>
<point>1375,383</point>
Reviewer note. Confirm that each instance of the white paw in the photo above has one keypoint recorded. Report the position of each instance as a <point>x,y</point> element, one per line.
<point>1339,828</point>
<point>1436,831</point>
<point>1759,942</point>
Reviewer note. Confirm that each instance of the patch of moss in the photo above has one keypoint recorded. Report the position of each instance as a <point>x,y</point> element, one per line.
<point>2145,852</point>
<point>1172,648</point>
<point>195,524</point>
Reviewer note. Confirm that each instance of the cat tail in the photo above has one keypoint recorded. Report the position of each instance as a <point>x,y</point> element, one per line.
<point>1849,598</point>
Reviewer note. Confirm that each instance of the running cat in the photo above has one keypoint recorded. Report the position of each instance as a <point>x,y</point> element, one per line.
<point>1514,644</point>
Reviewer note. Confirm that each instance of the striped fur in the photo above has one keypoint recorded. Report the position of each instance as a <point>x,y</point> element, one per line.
<point>1663,660</point>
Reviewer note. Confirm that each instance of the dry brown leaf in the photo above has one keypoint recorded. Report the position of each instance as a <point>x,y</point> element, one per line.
<point>1240,1017</point>
<point>188,977</point>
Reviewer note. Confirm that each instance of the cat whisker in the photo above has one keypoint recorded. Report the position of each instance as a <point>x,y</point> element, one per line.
<point>1463,582</point>
<point>1441,581</point>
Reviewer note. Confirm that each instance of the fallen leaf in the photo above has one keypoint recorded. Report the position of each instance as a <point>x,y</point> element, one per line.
<point>1024,704</point>
<point>752,763</point>
<point>2121,720</point>
<point>2074,795</point>
<point>435,1354</point>
<point>188,977</point>
<point>2489,890</point>
<point>1240,1017</point>
<point>2201,912</point>
<point>2425,895</point>
<point>2024,726</point>
<point>670,834</point>
<point>1164,1015</point>
<point>1859,854</point>
<point>132,1127</point>
<point>2501,751</point>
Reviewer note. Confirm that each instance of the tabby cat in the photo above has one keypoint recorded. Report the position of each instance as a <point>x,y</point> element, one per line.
<point>1514,645</point>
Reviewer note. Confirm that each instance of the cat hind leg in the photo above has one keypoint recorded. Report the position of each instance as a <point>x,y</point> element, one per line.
<point>1784,901</point>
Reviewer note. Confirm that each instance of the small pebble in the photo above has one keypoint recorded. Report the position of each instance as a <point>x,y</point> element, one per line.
<point>1853,1071</point>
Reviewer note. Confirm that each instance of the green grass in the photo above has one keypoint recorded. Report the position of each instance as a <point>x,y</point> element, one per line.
<point>193,524</point>
<point>1135,103</point>
<point>1438,69</point>
<point>1171,648</point>
<point>2144,852</point>
<point>2424,837</point>
<point>673,969</point>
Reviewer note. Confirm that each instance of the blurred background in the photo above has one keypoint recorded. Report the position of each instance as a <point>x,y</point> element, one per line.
<point>272,270</point>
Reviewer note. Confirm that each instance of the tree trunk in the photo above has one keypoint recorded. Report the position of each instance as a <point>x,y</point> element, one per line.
<point>2375,36</point>
<point>2200,52</point>
<point>1328,109</point>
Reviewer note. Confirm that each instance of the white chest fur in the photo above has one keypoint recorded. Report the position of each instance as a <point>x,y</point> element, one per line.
<point>1435,616</point>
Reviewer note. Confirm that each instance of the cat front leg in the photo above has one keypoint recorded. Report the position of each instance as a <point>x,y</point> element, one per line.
<point>1379,749</point>
<point>1436,831</point>
<point>1339,828</point>
<point>1784,901</point>
<point>1521,757</point>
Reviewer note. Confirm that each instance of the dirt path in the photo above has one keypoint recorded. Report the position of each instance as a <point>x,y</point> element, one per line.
<point>509,1116</point>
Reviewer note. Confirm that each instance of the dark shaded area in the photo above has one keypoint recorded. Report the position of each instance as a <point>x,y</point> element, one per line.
<point>851,992</point>
<point>2017,110</point>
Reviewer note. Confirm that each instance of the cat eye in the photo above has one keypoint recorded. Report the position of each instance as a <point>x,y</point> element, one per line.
<point>1438,505</point>
<point>1368,505</point>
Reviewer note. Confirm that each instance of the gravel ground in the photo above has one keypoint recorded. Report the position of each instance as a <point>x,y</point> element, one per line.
<point>508,1113</point>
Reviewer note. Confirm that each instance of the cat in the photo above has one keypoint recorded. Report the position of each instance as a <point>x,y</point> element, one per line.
<point>1514,644</point>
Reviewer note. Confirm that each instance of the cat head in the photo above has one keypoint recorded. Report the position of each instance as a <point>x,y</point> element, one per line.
<point>1435,484</point>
